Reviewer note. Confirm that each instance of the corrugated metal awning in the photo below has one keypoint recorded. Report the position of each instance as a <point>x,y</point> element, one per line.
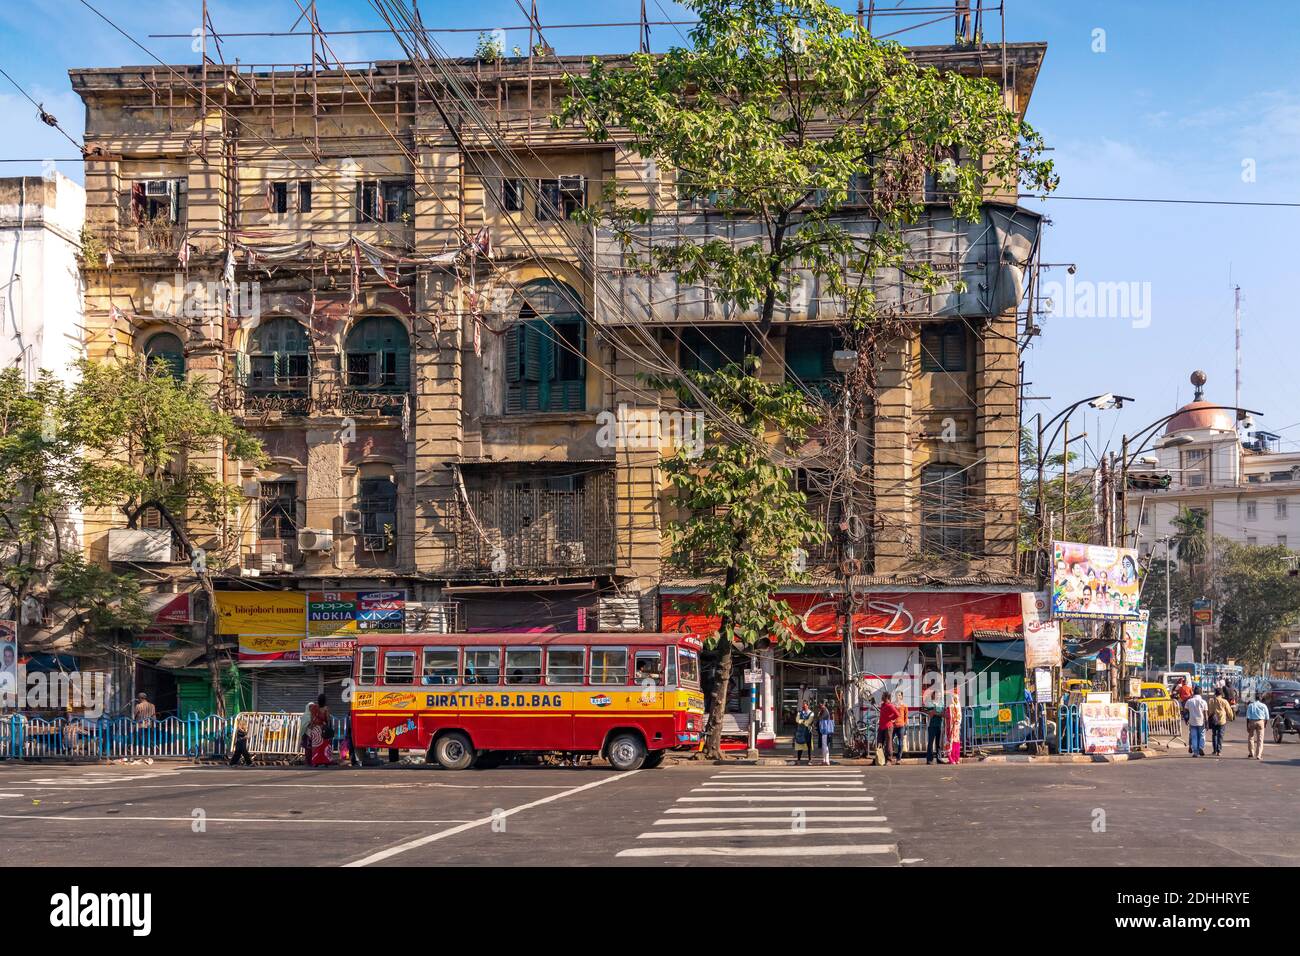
<point>181,657</point>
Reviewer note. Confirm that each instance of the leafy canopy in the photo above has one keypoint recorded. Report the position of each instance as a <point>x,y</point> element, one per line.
<point>745,518</point>
<point>117,436</point>
<point>775,112</point>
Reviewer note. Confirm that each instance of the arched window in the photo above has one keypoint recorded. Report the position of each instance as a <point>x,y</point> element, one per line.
<point>166,348</point>
<point>546,370</point>
<point>279,355</point>
<point>377,355</point>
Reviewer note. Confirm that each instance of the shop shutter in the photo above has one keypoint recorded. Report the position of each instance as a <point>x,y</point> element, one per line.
<point>287,689</point>
<point>334,677</point>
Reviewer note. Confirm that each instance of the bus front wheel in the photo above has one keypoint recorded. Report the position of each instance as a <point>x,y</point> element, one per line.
<point>626,752</point>
<point>453,751</point>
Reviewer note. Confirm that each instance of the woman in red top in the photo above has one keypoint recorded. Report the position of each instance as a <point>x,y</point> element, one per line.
<point>885,728</point>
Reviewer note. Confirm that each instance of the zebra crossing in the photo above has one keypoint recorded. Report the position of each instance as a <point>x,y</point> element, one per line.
<point>773,812</point>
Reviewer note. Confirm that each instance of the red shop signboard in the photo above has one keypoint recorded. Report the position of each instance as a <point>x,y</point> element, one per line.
<point>882,617</point>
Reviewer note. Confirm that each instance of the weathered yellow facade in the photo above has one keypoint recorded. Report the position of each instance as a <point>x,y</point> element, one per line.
<point>498,486</point>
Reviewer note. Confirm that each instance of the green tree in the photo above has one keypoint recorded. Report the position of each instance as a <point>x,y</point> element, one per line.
<point>745,517</point>
<point>774,113</point>
<point>44,483</point>
<point>123,437</point>
<point>1258,600</point>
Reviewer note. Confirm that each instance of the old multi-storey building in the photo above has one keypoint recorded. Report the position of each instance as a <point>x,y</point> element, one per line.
<point>378,273</point>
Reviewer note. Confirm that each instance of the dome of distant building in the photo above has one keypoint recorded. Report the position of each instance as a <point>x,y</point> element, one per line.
<point>1198,415</point>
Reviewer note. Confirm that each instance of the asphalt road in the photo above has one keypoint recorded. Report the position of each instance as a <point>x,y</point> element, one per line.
<point>1154,811</point>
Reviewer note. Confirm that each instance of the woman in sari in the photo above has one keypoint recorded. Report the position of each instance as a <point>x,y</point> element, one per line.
<point>320,733</point>
<point>952,728</point>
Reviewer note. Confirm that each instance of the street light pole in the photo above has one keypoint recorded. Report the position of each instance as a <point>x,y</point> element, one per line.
<point>1169,624</point>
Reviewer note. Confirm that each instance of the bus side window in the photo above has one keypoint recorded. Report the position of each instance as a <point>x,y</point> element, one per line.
<point>482,665</point>
<point>369,669</point>
<point>670,675</point>
<point>609,665</point>
<point>523,665</point>
<point>399,667</point>
<point>649,666</point>
<point>564,665</point>
<point>440,665</point>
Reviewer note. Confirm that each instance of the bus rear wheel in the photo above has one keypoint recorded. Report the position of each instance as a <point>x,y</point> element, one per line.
<point>626,752</point>
<point>653,759</point>
<point>453,751</point>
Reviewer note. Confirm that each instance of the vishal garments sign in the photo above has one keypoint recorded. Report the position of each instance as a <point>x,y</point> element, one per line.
<point>885,618</point>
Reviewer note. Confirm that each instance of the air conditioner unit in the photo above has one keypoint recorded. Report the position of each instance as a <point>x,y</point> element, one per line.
<point>572,182</point>
<point>618,614</point>
<point>351,521</point>
<point>155,187</point>
<point>374,542</point>
<point>315,539</point>
<point>140,545</point>
<point>570,553</point>
<point>269,561</point>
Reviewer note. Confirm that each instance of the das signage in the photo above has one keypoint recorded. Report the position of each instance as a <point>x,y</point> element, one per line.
<point>911,618</point>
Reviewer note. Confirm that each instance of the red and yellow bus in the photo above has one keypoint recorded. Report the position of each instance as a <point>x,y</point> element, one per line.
<point>467,699</point>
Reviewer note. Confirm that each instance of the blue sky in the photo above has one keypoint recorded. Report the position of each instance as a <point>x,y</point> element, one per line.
<point>1181,97</point>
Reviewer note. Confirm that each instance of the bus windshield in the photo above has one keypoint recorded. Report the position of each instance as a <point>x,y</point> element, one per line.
<point>688,663</point>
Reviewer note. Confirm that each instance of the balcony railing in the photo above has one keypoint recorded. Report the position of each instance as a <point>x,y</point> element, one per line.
<point>509,529</point>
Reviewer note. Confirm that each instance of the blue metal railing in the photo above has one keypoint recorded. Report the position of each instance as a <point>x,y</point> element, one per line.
<point>196,736</point>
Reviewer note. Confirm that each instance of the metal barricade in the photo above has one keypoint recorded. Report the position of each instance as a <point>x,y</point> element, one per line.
<point>11,737</point>
<point>197,736</point>
<point>1004,726</point>
<point>1163,721</point>
<point>1069,729</point>
<point>278,734</point>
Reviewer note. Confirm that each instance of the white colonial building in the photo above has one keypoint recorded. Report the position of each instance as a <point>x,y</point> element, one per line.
<point>1248,490</point>
<point>41,315</point>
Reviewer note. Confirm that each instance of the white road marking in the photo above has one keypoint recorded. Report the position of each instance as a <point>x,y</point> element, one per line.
<point>778,790</point>
<point>785,819</point>
<point>801,774</point>
<point>443,834</point>
<point>784,785</point>
<point>10,794</point>
<point>849,850</point>
<point>115,818</point>
<point>774,799</point>
<point>854,809</point>
<point>758,831</point>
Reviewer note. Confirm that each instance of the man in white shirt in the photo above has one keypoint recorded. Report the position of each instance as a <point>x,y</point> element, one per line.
<point>1196,710</point>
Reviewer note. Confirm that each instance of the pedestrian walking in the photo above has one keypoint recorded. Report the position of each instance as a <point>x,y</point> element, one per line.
<point>1220,712</point>
<point>317,734</point>
<point>1256,717</point>
<point>952,727</point>
<point>825,727</point>
<point>144,711</point>
<point>1183,693</point>
<point>803,724</point>
<point>885,730</point>
<point>900,726</point>
<point>241,744</point>
<point>1197,710</point>
<point>934,710</point>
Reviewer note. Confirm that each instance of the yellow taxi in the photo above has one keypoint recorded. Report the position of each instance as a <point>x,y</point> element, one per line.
<point>1076,685</point>
<point>1160,705</point>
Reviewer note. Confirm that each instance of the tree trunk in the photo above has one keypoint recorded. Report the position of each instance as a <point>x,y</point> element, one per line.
<point>204,580</point>
<point>718,707</point>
